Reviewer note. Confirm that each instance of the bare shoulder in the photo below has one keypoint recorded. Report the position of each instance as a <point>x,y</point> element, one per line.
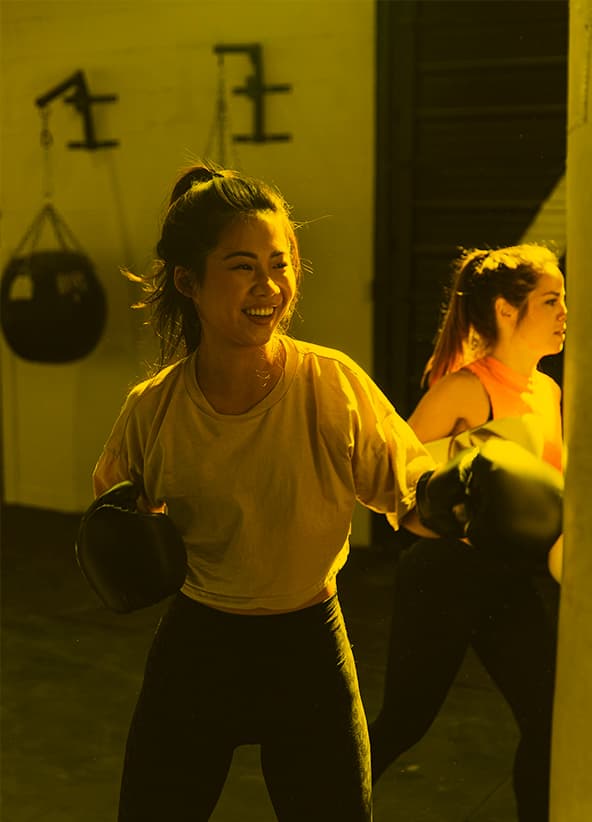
<point>456,402</point>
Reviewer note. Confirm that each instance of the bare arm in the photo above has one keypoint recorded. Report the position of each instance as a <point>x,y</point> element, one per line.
<point>455,403</point>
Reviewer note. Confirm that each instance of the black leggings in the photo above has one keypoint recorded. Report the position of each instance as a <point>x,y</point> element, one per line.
<point>215,680</point>
<point>448,597</point>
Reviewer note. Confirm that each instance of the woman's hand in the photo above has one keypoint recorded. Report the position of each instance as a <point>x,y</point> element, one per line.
<point>555,560</point>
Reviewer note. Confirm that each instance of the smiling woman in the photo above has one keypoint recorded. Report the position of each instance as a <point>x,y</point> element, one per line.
<point>260,446</point>
<point>219,223</point>
<point>248,288</point>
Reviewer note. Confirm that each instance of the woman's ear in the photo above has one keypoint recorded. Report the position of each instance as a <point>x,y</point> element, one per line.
<point>184,282</point>
<point>504,310</point>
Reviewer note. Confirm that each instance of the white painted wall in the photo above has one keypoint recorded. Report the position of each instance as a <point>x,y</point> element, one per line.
<point>156,55</point>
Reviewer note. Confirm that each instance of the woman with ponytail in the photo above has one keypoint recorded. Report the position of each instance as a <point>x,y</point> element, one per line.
<point>506,310</point>
<point>259,445</point>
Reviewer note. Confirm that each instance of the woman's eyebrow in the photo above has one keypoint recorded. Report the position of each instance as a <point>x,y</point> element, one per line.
<point>240,254</point>
<point>250,254</point>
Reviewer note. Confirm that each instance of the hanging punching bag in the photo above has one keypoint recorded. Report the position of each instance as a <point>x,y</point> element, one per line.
<point>52,306</point>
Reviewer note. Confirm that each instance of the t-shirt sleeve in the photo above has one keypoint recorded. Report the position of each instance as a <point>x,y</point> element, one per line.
<point>122,455</point>
<point>388,458</point>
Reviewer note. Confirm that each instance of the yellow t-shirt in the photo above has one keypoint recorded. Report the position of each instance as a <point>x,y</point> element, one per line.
<point>264,499</point>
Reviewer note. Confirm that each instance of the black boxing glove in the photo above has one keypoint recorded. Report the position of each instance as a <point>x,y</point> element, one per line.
<point>514,502</point>
<point>131,559</point>
<point>440,495</point>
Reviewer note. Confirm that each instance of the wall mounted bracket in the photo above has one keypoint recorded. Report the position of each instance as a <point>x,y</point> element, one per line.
<point>256,89</point>
<point>82,100</point>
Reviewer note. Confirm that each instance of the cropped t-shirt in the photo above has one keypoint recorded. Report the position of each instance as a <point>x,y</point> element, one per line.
<point>512,394</point>
<point>264,499</point>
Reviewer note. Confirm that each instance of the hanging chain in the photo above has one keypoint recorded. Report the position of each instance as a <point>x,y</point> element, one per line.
<point>46,140</point>
<point>220,132</point>
<point>47,215</point>
<point>221,113</point>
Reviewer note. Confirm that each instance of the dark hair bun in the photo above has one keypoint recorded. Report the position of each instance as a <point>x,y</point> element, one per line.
<point>196,174</point>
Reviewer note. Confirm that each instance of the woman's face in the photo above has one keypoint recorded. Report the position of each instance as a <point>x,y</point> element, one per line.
<point>249,283</point>
<point>542,328</point>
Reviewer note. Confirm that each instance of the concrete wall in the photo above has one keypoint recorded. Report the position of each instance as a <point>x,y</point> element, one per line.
<point>156,55</point>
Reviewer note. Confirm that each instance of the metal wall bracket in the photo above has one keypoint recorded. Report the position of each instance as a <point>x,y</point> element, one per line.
<point>256,89</point>
<point>82,100</point>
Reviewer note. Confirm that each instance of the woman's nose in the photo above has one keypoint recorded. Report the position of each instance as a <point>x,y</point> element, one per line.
<point>264,282</point>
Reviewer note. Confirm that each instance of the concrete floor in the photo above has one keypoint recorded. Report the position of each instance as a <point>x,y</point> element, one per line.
<point>71,672</point>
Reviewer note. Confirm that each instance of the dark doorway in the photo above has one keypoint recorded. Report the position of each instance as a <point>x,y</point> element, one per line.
<point>471,139</point>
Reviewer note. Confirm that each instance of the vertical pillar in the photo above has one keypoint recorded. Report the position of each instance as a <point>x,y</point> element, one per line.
<point>571,778</point>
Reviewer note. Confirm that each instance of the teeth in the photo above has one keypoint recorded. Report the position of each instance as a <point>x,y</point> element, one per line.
<point>259,312</point>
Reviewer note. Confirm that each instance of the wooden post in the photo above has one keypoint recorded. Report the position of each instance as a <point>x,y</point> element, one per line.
<point>571,768</point>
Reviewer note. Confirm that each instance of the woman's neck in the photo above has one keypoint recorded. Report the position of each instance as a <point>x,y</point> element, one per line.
<point>235,380</point>
<point>523,362</point>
